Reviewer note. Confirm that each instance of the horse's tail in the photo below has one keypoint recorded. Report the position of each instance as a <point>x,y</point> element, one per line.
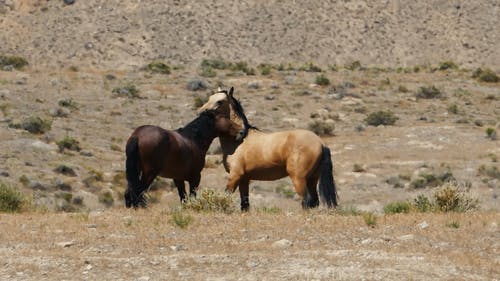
<point>327,189</point>
<point>132,170</point>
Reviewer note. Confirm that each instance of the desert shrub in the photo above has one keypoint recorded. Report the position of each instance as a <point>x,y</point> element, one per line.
<point>445,65</point>
<point>321,127</point>
<point>210,201</point>
<point>333,67</point>
<point>489,171</point>
<point>65,170</point>
<point>106,198</point>
<point>69,103</point>
<point>423,204</point>
<point>453,109</point>
<point>217,63</point>
<point>158,67</point>
<point>265,69</point>
<point>127,91</point>
<point>310,67</point>
<point>381,118</point>
<point>453,224</point>
<point>357,168</point>
<point>243,67</point>
<point>207,72</point>
<point>322,80</point>
<point>402,89</point>
<point>485,75</point>
<point>348,210</point>
<point>34,125</point>
<point>197,85</point>
<point>66,196</point>
<point>428,92</point>
<point>431,180</point>
<point>14,61</point>
<point>11,199</point>
<point>180,219</point>
<point>452,197</point>
<point>370,219</point>
<point>68,143</point>
<point>353,65</point>
<point>397,207</point>
<point>491,133</point>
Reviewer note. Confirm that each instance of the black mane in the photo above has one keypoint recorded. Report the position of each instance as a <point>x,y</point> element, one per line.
<point>240,112</point>
<point>201,129</point>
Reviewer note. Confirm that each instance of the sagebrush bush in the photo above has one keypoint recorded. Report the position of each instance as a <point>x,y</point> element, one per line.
<point>158,67</point>
<point>14,61</point>
<point>491,133</point>
<point>106,198</point>
<point>11,199</point>
<point>322,80</point>
<point>34,125</point>
<point>428,92</point>
<point>69,103</point>
<point>217,63</point>
<point>180,219</point>
<point>210,201</point>
<point>353,65</point>
<point>485,75</point>
<point>207,72</point>
<point>127,91</point>
<point>370,219</point>
<point>68,143</point>
<point>445,65</point>
<point>310,67</point>
<point>397,207</point>
<point>431,180</point>
<point>452,197</point>
<point>381,118</point>
<point>243,67</point>
<point>423,204</point>
<point>489,171</point>
<point>321,127</point>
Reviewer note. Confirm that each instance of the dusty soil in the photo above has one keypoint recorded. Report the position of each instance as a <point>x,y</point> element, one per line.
<point>144,245</point>
<point>80,53</point>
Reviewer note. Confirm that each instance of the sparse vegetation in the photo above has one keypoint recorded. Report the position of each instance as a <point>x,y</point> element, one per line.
<point>485,75</point>
<point>321,127</point>
<point>207,72</point>
<point>423,204</point>
<point>14,61</point>
<point>285,190</point>
<point>197,85</point>
<point>310,67</point>
<point>65,170</point>
<point>453,109</point>
<point>452,197</point>
<point>69,103</point>
<point>489,171</point>
<point>210,201</point>
<point>445,65</point>
<point>106,198</point>
<point>11,199</point>
<point>402,89</point>
<point>397,207</point>
<point>127,91</point>
<point>34,125</point>
<point>431,180</point>
<point>265,69</point>
<point>180,219</point>
<point>322,80</point>
<point>453,224</point>
<point>158,67</point>
<point>355,65</point>
<point>370,219</point>
<point>68,143</point>
<point>357,168</point>
<point>381,118</point>
<point>491,133</point>
<point>243,67</point>
<point>217,63</point>
<point>428,92</point>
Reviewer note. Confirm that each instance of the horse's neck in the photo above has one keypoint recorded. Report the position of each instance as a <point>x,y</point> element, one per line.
<point>228,145</point>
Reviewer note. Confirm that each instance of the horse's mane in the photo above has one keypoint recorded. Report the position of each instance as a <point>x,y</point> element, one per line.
<point>240,112</point>
<point>200,129</point>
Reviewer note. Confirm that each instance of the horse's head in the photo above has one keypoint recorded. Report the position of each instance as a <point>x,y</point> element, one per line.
<point>224,104</point>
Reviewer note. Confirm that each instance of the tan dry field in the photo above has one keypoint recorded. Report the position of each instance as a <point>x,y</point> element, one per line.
<point>80,53</point>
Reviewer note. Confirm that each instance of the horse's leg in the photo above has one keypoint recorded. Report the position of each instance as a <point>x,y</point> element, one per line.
<point>312,199</point>
<point>146,179</point>
<point>244,194</point>
<point>300,187</point>
<point>193,185</point>
<point>181,188</point>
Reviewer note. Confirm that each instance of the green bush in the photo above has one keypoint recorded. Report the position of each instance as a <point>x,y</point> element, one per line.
<point>397,207</point>
<point>34,125</point>
<point>485,75</point>
<point>158,67</point>
<point>11,199</point>
<point>14,61</point>
<point>243,67</point>
<point>127,91</point>
<point>207,72</point>
<point>265,69</point>
<point>431,180</point>
<point>68,143</point>
<point>381,118</point>
<point>489,171</point>
<point>106,198</point>
<point>217,63</point>
<point>322,80</point>
<point>423,204</point>
<point>491,133</point>
<point>428,92</point>
<point>353,65</point>
<point>69,103</point>
<point>445,65</point>
<point>321,128</point>
<point>453,109</point>
<point>370,219</point>
<point>180,219</point>
<point>310,67</point>
<point>210,201</point>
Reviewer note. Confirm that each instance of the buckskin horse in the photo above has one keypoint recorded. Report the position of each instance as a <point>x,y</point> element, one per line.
<point>152,151</point>
<point>250,154</point>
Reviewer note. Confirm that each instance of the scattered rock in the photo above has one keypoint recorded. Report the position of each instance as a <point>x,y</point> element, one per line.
<point>423,225</point>
<point>4,174</point>
<point>197,85</point>
<point>86,153</point>
<point>8,68</point>
<point>283,243</point>
<point>269,97</point>
<point>253,85</point>
<point>178,248</point>
<point>4,94</point>
<point>69,2</point>
<point>407,237</point>
<point>66,244</point>
<point>59,112</point>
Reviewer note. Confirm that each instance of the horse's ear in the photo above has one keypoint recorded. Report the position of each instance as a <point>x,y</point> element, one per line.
<point>231,92</point>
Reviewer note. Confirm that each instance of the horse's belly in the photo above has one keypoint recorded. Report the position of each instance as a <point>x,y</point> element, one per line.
<point>267,174</point>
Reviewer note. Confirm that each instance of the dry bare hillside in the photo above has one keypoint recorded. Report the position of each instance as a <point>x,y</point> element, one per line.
<point>391,86</point>
<point>122,34</point>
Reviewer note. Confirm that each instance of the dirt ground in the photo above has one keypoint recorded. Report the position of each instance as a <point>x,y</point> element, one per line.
<point>293,245</point>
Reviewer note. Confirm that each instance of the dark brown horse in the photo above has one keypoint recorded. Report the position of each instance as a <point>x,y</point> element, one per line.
<point>254,155</point>
<point>180,155</point>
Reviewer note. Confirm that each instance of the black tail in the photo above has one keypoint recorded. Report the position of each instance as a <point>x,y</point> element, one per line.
<point>327,189</point>
<point>132,172</point>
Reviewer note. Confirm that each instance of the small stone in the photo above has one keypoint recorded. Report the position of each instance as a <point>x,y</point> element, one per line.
<point>366,241</point>
<point>69,2</point>
<point>59,112</point>
<point>178,248</point>
<point>66,244</point>
<point>269,97</point>
<point>86,153</point>
<point>89,45</point>
<point>423,225</point>
<point>8,68</point>
<point>283,243</point>
<point>407,237</point>
<point>4,174</point>
<point>253,85</point>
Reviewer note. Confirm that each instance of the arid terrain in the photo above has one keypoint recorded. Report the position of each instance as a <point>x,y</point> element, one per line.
<point>328,68</point>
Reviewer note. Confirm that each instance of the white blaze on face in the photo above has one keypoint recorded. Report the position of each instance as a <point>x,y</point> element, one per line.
<point>214,102</point>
